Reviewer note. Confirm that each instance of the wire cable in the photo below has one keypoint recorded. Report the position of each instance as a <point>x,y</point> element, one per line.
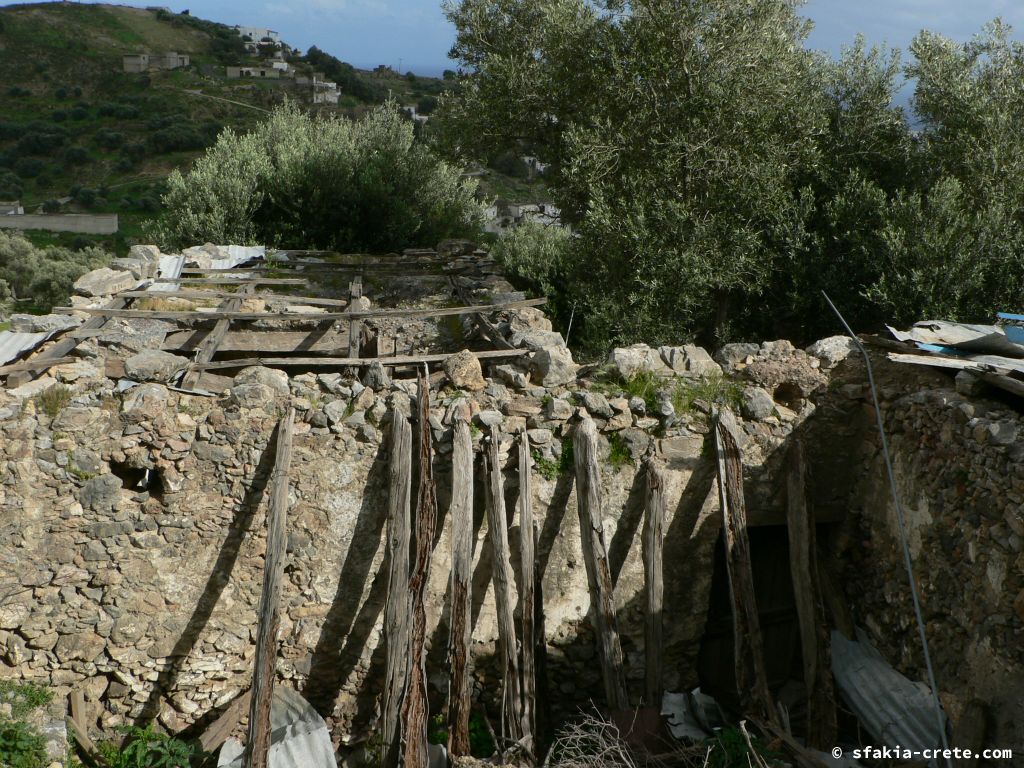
<point>907,561</point>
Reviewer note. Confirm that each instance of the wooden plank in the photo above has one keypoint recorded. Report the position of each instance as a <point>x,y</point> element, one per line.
<point>210,344</point>
<point>220,729</point>
<point>331,342</point>
<point>397,608</point>
<point>461,630</point>
<point>79,734</point>
<point>233,280</point>
<point>528,569</point>
<point>415,712</point>
<point>333,362</point>
<point>78,709</point>
<point>595,557</point>
<point>751,676</point>
<point>265,660</point>
<point>654,580</point>
<point>282,298</point>
<point>492,332</point>
<point>497,523</point>
<point>355,291</point>
<point>814,633</point>
<point>36,364</point>
<point>65,346</point>
<point>368,314</point>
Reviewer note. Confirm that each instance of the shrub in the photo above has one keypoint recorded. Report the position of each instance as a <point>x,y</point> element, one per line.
<point>76,155</point>
<point>44,275</point>
<point>9,130</point>
<point>21,745</point>
<point>58,116</point>
<point>29,167</point>
<point>146,747</point>
<point>36,142</point>
<point>79,113</point>
<point>10,186</point>
<point>303,181</point>
<point>51,206</point>
<point>17,92</point>
<point>108,139</point>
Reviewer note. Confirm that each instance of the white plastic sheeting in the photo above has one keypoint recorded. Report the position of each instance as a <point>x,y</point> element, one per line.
<point>896,711</point>
<point>298,736</point>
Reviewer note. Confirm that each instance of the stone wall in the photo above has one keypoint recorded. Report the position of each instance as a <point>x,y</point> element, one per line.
<point>84,223</point>
<point>959,466</point>
<point>134,528</point>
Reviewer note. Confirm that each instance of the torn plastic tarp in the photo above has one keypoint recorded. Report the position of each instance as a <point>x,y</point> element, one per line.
<point>298,736</point>
<point>694,716</point>
<point>896,711</point>
<point>960,337</point>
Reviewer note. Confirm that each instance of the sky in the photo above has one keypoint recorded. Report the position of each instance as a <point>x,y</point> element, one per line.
<point>414,35</point>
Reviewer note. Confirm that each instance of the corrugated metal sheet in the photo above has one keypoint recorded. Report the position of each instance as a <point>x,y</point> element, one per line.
<point>298,736</point>
<point>170,266</point>
<point>896,711</point>
<point>235,255</point>
<point>13,345</point>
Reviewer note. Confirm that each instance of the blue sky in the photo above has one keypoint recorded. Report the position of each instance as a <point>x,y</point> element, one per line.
<point>413,34</point>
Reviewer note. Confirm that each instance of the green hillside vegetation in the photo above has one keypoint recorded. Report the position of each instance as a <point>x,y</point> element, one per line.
<point>77,134</point>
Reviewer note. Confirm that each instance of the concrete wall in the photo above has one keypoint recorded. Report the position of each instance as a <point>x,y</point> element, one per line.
<point>85,223</point>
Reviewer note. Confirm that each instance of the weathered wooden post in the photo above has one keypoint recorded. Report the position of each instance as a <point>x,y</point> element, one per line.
<point>414,707</point>
<point>595,557</point>
<point>814,634</point>
<point>459,689</point>
<point>265,663</point>
<point>653,554</point>
<point>751,676</point>
<point>527,548</point>
<point>497,522</point>
<point>397,609</point>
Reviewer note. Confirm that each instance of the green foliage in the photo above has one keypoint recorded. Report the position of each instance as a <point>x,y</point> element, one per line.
<point>52,400</point>
<point>729,750</point>
<point>537,257</point>
<point>718,175</point>
<point>566,459</point>
<point>147,748</point>
<point>44,275</point>
<point>547,468</point>
<point>437,731</point>
<point>711,390</point>
<point>24,697</point>
<point>619,454</point>
<point>300,181</point>
<point>21,745</point>
<point>481,743</point>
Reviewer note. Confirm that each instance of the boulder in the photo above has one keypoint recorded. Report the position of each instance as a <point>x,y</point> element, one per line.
<point>140,269</point>
<point>638,358</point>
<point>689,360</point>
<point>532,338</point>
<point>84,646</point>
<point>154,365</point>
<point>101,493</point>
<point>596,404</point>
<point>731,355</point>
<point>104,282</point>
<point>558,409</point>
<point>832,351</point>
<point>529,318</point>
<point>552,367</point>
<point>142,402</point>
<point>757,404</point>
<point>259,387</point>
<point>376,377</point>
<point>512,376</point>
<point>44,323</point>
<point>463,368</point>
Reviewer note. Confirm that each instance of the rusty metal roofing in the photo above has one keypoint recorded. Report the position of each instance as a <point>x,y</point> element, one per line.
<point>13,345</point>
<point>896,711</point>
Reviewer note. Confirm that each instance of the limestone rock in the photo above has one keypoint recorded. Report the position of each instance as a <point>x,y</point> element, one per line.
<point>553,366</point>
<point>637,358</point>
<point>596,404</point>
<point>532,338</point>
<point>558,409</point>
<point>101,493</point>
<point>154,365</point>
<point>832,350</point>
<point>104,282</point>
<point>44,323</point>
<point>757,404</point>
<point>144,401</point>
<point>732,355</point>
<point>259,387</point>
<point>689,360</point>
<point>529,318</point>
<point>512,376</point>
<point>463,368</point>
<point>376,377</point>
<point>85,646</point>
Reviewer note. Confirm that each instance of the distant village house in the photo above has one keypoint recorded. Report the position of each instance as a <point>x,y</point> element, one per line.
<point>11,208</point>
<point>147,62</point>
<point>256,38</point>
<point>267,73</point>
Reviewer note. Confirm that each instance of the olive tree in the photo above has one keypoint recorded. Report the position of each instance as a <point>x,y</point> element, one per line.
<point>303,181</point>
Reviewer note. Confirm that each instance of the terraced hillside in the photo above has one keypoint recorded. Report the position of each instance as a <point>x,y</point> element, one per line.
<point>77,134</point>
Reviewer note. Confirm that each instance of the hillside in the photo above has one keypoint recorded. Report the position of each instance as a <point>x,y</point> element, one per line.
<point>79,134</point>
